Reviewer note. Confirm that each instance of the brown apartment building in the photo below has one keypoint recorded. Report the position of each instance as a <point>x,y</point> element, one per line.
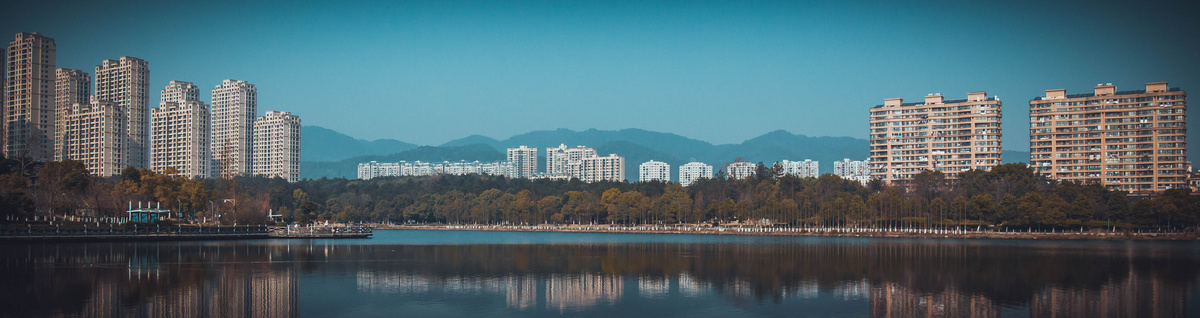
<point>1125,140</point>
<point>950,136</point>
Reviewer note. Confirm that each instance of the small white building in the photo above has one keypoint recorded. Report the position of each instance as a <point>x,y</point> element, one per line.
<point>654,171</point>
<point>693,171</point>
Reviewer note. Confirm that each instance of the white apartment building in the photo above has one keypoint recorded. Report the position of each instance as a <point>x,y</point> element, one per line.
<point>277,146</point>
<point>610,168</point>
<point>693,171</point>
<point>29,97</point>
<point>802,169</point>
<point>859,170</point>
<point>95,134</point>
<point>373,169</point>
<point>71,87</point>
<point>180,137</point>
<point>234,107</point>
<point>525,159</point>
<point>740,170</point>
<point>567,161</point>
<point>654,171</point>
<point>178,91</point>
<point>125,81</point>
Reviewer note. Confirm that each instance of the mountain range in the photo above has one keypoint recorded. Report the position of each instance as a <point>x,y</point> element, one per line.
<point>327,153</point>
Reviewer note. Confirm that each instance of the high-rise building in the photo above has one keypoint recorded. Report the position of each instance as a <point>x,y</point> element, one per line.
<point>853,170</point>
<point>525,159</point>
<point>692,171</point>
<point>71,87</point>
<point>567,161</point>
<point>234,107</point>
<point>950,136</point>
<point>95,134</point>
<point>29,101</point>
<point>126,81</point>
<point>654,171</point>
<point>178,91</point>
<point>740,169</point>
<point>277,145</point>
<point>610,168</point>
<point>802,169</point>
<point>1125,140</point>
<point>180,137</point>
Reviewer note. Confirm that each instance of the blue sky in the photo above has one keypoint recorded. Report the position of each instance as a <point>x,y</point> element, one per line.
<point>723,72</point>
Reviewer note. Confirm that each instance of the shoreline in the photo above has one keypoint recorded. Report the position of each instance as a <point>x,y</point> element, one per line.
<point>818,232</point>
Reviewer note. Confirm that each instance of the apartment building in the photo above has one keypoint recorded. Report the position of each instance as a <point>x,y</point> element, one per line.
<point>803,169</point>
<point>277,146</point>
<point>180,137</point>
<point>654,171</point>
<point>740,170</point>
<point>610,168</point>
<point>71,87</point>
<point>29,97</point>
<point>125,81</point>
<point>692,171</point>
<point>525,159</point>
<point>1125,140</point>
<point>95,134</point>
<point>857,170</point>
<point>234,107</point>
<point>937,134</point>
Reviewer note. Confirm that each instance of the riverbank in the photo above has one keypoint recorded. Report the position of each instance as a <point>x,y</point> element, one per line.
<point>811,231</point>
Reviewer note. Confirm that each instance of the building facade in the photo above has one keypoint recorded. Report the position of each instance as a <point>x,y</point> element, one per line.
<point>654,171</point>
<point>802,169</point>
<point>692,171</point>
<point>126,82</point>
<point>234,107</point>
<point>95,134</point>
<point>950,136</point>
<point>853,170</point>
<point>1124,140</point>
<point>610,168</point>
<point>277,146</point>
<point>740,170</point>
<point>525,159</point>
<point>71,87</point>
<point>179,91</point>
<point>180,137</point>
<point>567,161</point>
<point>29,101</point>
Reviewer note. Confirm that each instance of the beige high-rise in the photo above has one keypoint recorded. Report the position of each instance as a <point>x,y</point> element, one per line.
<point>277,145</point>
<point>72,87</point>
<point>234,106</point>
<point>950,136</point>
<point>125,81</point>
<point>95,133</point>
<point>180,138</point>
<point>1124,140</point>
<point>29,100</point>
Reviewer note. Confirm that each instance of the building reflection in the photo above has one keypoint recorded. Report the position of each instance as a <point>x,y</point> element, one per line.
<point>1137,296</point>
<point>894,300</point>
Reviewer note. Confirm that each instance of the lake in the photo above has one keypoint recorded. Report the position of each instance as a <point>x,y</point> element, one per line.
<point>521,274</point>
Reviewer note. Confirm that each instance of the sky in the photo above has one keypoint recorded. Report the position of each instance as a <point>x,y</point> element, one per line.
<point>428,72</point>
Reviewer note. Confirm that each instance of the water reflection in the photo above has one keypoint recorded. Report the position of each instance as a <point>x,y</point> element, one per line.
<point>879,278</point>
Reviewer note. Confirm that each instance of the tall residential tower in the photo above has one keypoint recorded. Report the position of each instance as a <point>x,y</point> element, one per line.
<point>277,146</point>
<point>950,136</point>
<point>29,100</point>
<point>525,159</point>
<point>1125,140</point>
<point>180,136</point>
<point>234,106</point>
<point>126,82</point>
<point>72,87</point>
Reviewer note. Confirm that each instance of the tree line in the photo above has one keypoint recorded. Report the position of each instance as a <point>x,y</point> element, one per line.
<point>1009,195</point>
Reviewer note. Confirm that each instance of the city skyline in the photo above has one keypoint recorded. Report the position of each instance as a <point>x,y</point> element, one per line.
<point>460,69</point>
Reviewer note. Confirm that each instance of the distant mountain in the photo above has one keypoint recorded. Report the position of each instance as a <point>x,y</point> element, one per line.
<point>348,168</point>
<point>322,144</point>
<point>636,145</point>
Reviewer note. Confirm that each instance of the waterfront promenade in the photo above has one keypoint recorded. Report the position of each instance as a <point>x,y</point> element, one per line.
<point>1030,233</point>
<point>142,232</point>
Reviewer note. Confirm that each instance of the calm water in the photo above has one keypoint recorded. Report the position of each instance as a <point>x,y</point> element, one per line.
<point>508,274</point>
